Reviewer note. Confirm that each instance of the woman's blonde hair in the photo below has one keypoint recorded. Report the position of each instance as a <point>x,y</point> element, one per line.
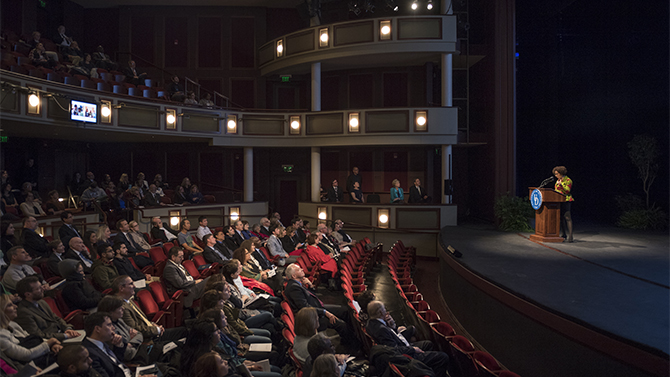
<point>4,301</point>
<point>394,182</point>
<point>101,232</point>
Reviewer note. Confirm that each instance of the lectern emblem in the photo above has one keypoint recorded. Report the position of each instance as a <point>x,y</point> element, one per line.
<point>536,199</point>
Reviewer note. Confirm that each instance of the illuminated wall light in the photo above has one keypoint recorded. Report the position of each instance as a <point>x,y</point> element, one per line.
<point>383,217</point>
<point>415,5</point>
<point>384,30</point>
<point>323,37</point>
<point>294,123</point>
<point>280,48</point>
<point>106,112</point>
<point>34,103</point>
<point>234,213</point>
<point>231,124</point>
<point>354,122</point>
<point>421,121</point>
<point>429,6</point>
<point>171,119</point>
<point>175,218</point>
<point>322,214</point>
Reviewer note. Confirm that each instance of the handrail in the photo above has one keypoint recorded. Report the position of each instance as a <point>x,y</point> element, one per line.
<point>146,62</point>
<point>226,100</point>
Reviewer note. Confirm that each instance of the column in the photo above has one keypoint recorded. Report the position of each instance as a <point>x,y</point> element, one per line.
<point>446,173</point>
<point>447,80</point>
<point>248,175</point>
<point>316,86</point>
<point>316,174</point>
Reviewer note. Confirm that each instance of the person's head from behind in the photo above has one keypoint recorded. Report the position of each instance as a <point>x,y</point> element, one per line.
<point>365,298</point>
<point>113,305</point>
<point>376,310</point>
<point>74,359</point>
<point>231,270</point>
<point>306,322</point>
<point>318,345</point>
<point>216,316</point>
<point>212,299</point>
<point>325,366</point>
<point>210,365</point>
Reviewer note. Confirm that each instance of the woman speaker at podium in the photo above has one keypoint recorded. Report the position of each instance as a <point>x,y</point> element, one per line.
<point>563,185</point>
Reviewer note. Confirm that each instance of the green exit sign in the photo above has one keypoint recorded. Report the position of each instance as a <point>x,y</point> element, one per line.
<point>287,168</point>
<point>285,78</point>
<point>3,139</point>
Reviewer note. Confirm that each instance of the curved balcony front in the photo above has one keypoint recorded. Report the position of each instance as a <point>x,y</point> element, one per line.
<point>133,116</point>
<point>379,42</point>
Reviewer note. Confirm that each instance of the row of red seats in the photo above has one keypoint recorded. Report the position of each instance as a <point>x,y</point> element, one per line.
<point>472,363</point>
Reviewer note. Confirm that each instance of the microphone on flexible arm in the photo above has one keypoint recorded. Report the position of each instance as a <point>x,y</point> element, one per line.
<point>547,181</point>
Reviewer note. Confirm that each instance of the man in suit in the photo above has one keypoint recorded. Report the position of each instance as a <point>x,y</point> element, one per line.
<point>34,314</point>
<point>230,241</point>
<point>67,231</point>
<point>299,233</point>
<point>221,246</point>
<point>326,245</point>
<point>176,277</point>
<point>275,245</point>
<point>299,294</point>
<point>265,226</point>
<point>99,332</point>
<point>79,253</point>
<point>159,231</point>
<point>123,264</point>
<point>133,76</point>
<point>123,236</point>
<point>417,194</point>
<point>239,226</point>
<point>335,193</point>
<point>36,245</point>
<point>211,254</point>
<point>57,255</point>
<point>382,334</point>
<point>152,198</point>
<point>123,288</point>
<point>74,361</point>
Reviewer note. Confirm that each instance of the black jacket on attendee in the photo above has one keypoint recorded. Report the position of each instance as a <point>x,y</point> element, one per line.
<point>52,263</point>
<point>102,363</point>
<point>158,234</point>
<point>224,249</point>
<point>65,233</point>
<point>262,259</point>
<point>36,245</point>
<point>125,267</point>
<point>211,255</point>
<point>300,297</point>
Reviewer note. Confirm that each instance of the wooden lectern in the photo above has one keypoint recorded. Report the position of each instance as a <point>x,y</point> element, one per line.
<point>548,217</point>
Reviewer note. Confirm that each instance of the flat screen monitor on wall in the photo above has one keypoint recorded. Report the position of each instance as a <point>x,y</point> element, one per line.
<point>83,111</point>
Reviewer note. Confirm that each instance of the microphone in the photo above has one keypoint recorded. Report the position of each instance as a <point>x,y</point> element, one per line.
<point>547,181</point>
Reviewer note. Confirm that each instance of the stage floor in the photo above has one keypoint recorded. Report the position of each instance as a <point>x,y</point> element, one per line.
<point>613,279</point>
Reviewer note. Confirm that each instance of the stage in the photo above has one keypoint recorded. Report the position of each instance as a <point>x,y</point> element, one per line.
<point>612,281</point>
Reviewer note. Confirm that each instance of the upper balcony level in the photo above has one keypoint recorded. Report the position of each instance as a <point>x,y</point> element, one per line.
<point>378,42</point>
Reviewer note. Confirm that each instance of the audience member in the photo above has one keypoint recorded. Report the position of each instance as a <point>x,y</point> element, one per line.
<point>104,270</point>
<point>73,53</point>
<point>342,238</point>
<point>93,195</point>
<point>275,245</point>
<point>159,231</point>
<point>57,255</point>
<point>36,245</point>
<point>27,188</point>
<point>31,207</point>
<point>103,235</point>
<point>137,236</point>
<point>306,324</point>
<point>207,101</point>
<point>325,243</point>
<point>176,90</point>
<point>133,76</point>
<point>123,235</point>
<point>230,239</point>
<point>160,184</point>
<point>417,194</point>
<point>221,244</point>
<point>354,177</point>
<point>190,100</point>
<point>246,233</point>
<point>132,197</point>
<point>318,345</point>
<point>356,194</point>
<point>265,227</point>
<point>177,277</point>
<point>78,293</point>
<point>326,365</point>
<point>67,231</point>
<point>14,341</point>
<point>335,193</point>
<point>123,264</point>
<point>211,253</point>
<point>7,241</point>
<point>397,195</point>
<point>152,197</point>
<point>316,255</point>
<point>91,242</point>
<point>73,361</point>
<point>131,339</point>
<point>290,242</point>
<point>211,364</point>
<point>102,60</point>
<point>124,182</point>
<point>39,58</point>
<point>54,205</point>
<point>297,224</point>
<point>186,184</point>
<point>185,240</point>
<point>202,227</point>
<point>8,199</point>
<point>179,196</point>
<point>34,314</point>
<point>195,196</point>
<point>256,232</point>
<point>18,268</point>
<point>99,333</point>
<point>87,68</point>
<point>61,39</point>
<point>79,253</point>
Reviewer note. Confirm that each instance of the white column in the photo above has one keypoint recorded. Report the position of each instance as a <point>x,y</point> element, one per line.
<point>248,174</point>
<point>446,7</point>
<point>316,86</point>
<point>446,171</point>
<point>316,174</point>
<point>447,80</point>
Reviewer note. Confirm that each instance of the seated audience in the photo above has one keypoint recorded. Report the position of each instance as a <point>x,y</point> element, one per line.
<point>211,364</point>
<point>417,194</point>
<point>73,53</point>
<point>306,324</point>
<point>133,76</point>
<point>14,340</point>
<point>297,224</point>
<point>356,194</point>
<point>318,345</point>
<point>160,184</point>
<point>79,253</point>
<point>275,245</point>
<point>78,293</point>
<point>91,242</point>
<point>176,90</point>
<point>31,207</point>
<point>290,242</point>
<point>397,195</point>
<point>211,253</point>
<point>299,294</point>
<point>137,236</point>
<point>190,100</point>
<point>327,243</point>
<point>108,361</point>
<point>383,334</point>
<point>326,365</point>
<point>179,196</point>
<point>176,277</point>
<point>67,231</point>
<point>207,101</point>
<point>8,199</point>
<point>87,68</point>
<point>102,60</point>
<point>230,240</point>
<point>131,339</point>
<point>231,273</point>
<point>36,245</point>
<point>246,233</point>
<point>124,182</point>
<point>54,206</point>
<point>195,196</point>
<point>202,227</point>
<point>61,39</point>
<point>73,361</point>
<point>103,235</point>
<point>256,232</point>
<point>342,238</point>
<point>185,240</point>
<point>141,183</point>
<point>123,264</point>
<point>159,231</point>
<point>18,268</point>
<point>314,253</point>
<point>252,269</point>
<point>39,58</point>
<point>56,256</point>
<point>221,244</point>
<point>152,198</point>
<point>93,195</point>
<point>7,240</point>
<point>34,314</point>
<point>132,197</point>
<point>104,270</point>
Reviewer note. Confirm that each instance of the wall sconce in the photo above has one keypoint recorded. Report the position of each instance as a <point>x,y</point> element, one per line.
<point>280,48</point>
<point>322,214</point>
<point>294,125</point>
<point>429,6</point>
<point>383,218</point>
<point>234,213</point>
<point>421,121</point>
<point>231,124</point>
<point>170,119</point>
<point>175,218</point>
<point>323,37</point>
<point>354,123</point>
<point>34,103</point>
<point>384,30</point>
<point>106,111</point>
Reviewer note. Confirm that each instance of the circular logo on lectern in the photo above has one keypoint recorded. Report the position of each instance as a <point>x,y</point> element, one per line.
<point>536,199</point>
